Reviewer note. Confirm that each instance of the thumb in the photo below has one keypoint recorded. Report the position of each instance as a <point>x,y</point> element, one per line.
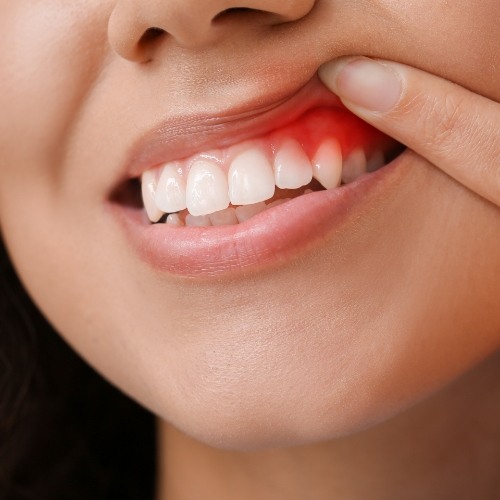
<point>452,127</point>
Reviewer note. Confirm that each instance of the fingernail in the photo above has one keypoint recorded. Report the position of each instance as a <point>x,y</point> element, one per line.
<point>363,82</point>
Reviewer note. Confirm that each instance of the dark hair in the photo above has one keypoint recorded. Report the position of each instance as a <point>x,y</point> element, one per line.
<point>64,432</point>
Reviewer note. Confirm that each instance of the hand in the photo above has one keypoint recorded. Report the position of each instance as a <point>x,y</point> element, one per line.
<point>453,128</point>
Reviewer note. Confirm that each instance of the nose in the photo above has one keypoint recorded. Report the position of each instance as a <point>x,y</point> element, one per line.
<point>137,27</point>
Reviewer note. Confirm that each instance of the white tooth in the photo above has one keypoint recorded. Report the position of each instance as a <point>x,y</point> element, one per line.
<point>148,188</point>
<point>354,166</point>
<point>225,217</point>
<point>171,190</point>
<point>245,212</point>
<point>327,164</point>
<point>197,220</point>
<point>275,203</point>
<point>251,178</point>
<point>206,188</point>
<point>376,161</point>
<point>174,220</point>
<point>292,168</point>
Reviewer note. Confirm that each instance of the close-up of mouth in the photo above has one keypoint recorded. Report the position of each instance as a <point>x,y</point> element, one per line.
<point>251,193</point>
<point>249,250</point>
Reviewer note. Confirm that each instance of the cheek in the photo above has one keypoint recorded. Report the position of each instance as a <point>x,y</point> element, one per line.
<point>51,54</point>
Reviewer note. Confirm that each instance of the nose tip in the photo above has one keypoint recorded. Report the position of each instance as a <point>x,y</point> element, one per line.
<point>137,27</point>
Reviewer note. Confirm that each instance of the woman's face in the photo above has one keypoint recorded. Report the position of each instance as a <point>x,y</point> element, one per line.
<point>397,291</point>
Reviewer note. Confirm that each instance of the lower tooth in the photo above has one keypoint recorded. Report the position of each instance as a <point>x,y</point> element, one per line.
<point>275,203</point>
<point>174,220</point>
<point>225,217</point>
<point>354,166</point>
<point>197,220</point>
<point>245,212</point>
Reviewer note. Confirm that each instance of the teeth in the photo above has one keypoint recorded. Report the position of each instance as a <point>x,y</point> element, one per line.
<point>327,164</point>
<point>251,178</point>
<point>276,203</point>
<point>207,189</point>
<point>174,220</point>
<point>148,188</point>
<point>376,161</point>
<point>354,166</point>
<point>245,212</point>
<point>171,190</point>
<point>254,173</point>
<point>197,220</point>
<point>292,168</point>
<point>225,217</point>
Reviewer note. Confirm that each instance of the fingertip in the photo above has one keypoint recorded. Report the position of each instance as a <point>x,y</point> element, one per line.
<point>328,72</point>
<point>365,83</point>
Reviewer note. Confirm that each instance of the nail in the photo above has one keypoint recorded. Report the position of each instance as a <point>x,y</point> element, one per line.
<point>363,82</point>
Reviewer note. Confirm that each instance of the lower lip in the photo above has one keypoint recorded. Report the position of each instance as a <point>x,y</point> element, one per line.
<point>275,236</point>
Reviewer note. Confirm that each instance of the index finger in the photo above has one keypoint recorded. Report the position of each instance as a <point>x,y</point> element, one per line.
<point>452,127</point>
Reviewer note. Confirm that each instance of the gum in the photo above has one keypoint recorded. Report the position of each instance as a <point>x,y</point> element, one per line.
<point>309,130</point>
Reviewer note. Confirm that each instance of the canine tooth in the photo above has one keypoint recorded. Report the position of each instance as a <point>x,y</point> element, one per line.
<point>225,217</point>
<point>174,220</point>
<point>251,178</point>
<point>148,188</point>
<point>197,220</point>
<point>245,212</point>
<point>354,166</point>
<point>171,190</point>
<point>327,164</point>
<point>376,161</point>
<point>292,168</point>
<point>206,188</point>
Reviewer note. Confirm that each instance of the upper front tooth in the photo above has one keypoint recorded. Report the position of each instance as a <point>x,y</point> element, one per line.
<point>207,189</point>
<point>292,168</point>
<point>171,190</point>
<point>148,188</point>
<point>251,178</point>
<point>354,166</point>
<point>327,164</point>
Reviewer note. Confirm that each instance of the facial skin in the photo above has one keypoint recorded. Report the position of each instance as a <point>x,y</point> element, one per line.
<point>349,334</point>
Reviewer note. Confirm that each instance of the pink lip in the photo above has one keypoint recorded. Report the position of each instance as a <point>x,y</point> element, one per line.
<point>276,235</point>
<point>179,138</point>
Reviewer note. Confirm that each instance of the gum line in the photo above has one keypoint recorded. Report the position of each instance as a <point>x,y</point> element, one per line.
<point>328,144</point>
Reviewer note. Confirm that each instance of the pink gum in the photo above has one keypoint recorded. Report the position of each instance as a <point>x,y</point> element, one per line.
<point>309,130</point>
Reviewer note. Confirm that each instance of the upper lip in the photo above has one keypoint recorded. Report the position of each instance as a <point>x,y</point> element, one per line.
<point>178,138</point>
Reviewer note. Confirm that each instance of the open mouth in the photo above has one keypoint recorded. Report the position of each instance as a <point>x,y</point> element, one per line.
<point>325,148</point>
<point>258,194</point>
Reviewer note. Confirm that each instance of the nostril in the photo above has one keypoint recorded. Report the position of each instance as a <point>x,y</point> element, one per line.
<point>235,12</point>
<point>150,35</point>
<point>232,11</point>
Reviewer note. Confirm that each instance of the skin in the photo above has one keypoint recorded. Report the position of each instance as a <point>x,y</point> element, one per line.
<point>333,368</point>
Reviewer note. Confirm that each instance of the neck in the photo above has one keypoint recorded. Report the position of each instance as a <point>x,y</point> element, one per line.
<point>444,447</point>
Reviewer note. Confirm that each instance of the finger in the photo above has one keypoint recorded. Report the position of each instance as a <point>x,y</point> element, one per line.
<point>454,128</point>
